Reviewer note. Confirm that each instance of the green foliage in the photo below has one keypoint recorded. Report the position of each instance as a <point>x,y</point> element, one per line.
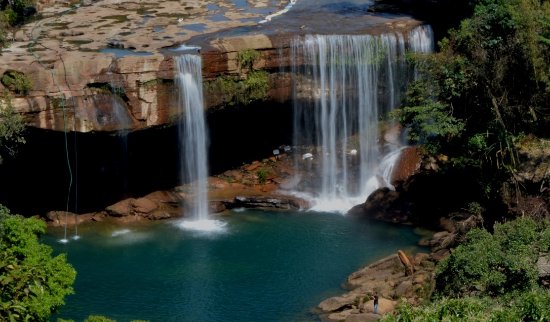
<point>16,82</point>
<point>488,84</point>
<point>241,91</point>
<point>493,264</point>
<point>4,26</point>
<point>491,74</point>
<point>20,5</point>
<point>255,87</point>
<point>246,58</point>
<point>428,121</point>
<point>262,175</point>
<point>532,305</point>
<point>430,124</point>
<point>12,13</point>
<point>11,129</point>
<point>445,309</point>
<point>490,277</point>
<point>33,283</point>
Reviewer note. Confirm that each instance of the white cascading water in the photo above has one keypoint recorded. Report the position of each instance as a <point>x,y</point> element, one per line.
<point>193,140</point>
<point>343,86</point>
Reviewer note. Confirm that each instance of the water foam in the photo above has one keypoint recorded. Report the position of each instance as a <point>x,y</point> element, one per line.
<point>290,4</point>
<point>120,232</point>
<point>203,225</point>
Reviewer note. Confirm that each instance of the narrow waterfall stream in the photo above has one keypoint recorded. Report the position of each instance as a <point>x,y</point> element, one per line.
<point>344,86</point>
<point>193,141</point>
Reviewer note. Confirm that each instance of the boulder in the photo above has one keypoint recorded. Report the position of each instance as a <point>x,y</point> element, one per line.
<point>384,306</point>
<point>383,204</point>
<point>407,164</point>
<point>404,289</point>
<point>143,206</point>
<point>121,208</point>
<point>61,218</point>
<point>339,316</point>
<point>338,302</point>
<point>167,197</point>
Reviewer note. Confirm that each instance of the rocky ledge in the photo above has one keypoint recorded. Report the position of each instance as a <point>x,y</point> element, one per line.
<point>108,65</point>
<point>397,277</point>
<point>255,185</point>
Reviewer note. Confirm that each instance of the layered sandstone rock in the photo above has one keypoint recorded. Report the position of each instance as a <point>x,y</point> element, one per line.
<point>108,66</point>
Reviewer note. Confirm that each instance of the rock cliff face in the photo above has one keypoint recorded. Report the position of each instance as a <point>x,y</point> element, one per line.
<point>87,77</point>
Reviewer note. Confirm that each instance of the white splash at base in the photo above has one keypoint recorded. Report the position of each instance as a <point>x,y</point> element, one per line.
<point>203,225</point>
<point>120,232</point>
<point>341,206</point>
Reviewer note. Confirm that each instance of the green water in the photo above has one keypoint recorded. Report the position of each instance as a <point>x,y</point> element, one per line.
<point>265,266</point>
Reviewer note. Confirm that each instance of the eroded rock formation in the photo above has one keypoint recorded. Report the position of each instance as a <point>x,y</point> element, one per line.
<point>107,65</point>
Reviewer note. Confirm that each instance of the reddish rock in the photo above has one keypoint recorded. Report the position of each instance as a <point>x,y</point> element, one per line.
<point>216,207</point>
<point>61,218</point>
<point>159,215</point>
<point>255,165</point>
<point>164,197</point>
<point>218,183</point>
<point>121,208</point>
<point>407,164</point>
<point>143,206</point>
<point>384,306</point>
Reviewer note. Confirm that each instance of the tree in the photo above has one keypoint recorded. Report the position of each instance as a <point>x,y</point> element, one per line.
<point>489,277</point>
<point>494,264</point>
<point>11,128</point>
<point>33,283</point>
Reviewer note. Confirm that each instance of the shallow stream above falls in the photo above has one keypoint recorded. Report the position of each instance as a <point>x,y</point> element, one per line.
<point>264,266</point>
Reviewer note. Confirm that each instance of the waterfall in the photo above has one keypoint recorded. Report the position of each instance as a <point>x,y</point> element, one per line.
<point>193,141</point>
<point>192,133</point>
<point>343,86</point>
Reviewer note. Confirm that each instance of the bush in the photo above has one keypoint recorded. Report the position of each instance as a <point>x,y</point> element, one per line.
<point>493,264</point>
<point>4,26</point>
<point>17,82</point>
<point>33,283</point>
<point>262,175</point>
<point>11,129</point>
<point>533,306</point>
<point>246,58</point>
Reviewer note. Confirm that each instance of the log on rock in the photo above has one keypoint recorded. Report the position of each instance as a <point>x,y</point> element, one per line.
<point>409,268</point>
